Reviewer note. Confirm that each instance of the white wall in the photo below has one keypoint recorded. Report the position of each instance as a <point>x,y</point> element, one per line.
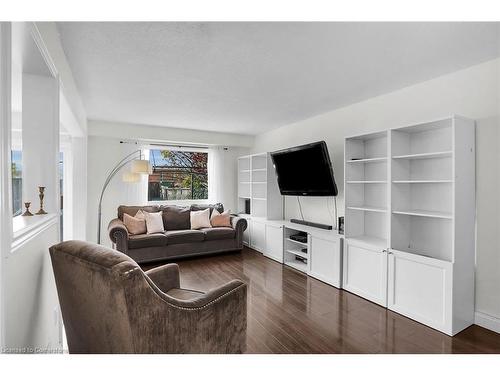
<point>105,151</point>
<point>32,314</point>
<point>472,92</point>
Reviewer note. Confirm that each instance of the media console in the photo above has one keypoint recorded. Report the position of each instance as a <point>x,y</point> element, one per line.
<point>320,256</point>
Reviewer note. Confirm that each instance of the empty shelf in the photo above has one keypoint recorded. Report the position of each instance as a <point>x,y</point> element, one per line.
<point>370,240</point>
<point>366,182</point>
<point>367,208</point>
<point>427,155</point>
<point>368,160</point>
<point>421,181</point>
<point>424,213</point>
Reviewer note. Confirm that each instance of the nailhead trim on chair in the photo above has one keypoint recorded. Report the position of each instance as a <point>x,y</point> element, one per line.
<point>126,274</point>
<point>208,304</point>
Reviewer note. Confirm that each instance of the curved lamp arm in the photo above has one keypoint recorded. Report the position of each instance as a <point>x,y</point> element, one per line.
<point>136,155</point>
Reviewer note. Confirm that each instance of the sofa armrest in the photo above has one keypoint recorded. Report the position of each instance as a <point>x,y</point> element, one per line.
<point>239,224</point>
<point>165,277</point>
<point>118,234</point>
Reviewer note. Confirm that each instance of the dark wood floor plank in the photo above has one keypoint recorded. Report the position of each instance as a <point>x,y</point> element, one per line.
<point>289,312</point>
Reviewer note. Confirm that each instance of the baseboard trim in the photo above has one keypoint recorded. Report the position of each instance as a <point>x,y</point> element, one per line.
<point>487,321</point>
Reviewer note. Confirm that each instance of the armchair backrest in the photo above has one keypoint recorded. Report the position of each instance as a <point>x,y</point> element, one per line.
<point>109,305</point>
<point>91,282</point>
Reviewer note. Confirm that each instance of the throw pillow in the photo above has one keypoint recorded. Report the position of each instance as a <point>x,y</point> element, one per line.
<point>134,225</point>
<point>154,222</point>
<point>175,218</point>
<point>200,219</point>
<point>220,219</point>
<point>140,215</point>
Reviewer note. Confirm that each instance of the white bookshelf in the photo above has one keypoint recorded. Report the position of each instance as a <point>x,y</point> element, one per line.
<point>257,183</point>
<point>366,190</point>
<point>410,235</point>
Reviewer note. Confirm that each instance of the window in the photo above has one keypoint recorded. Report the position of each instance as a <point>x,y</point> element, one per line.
<point>178,175</point>
<point>17,182</point>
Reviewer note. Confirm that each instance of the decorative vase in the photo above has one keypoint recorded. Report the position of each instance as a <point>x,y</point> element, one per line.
<point>27,212</point>
<point>41,190</point>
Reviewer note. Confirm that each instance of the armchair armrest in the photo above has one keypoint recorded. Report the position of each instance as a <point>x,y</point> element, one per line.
<point>118,234</point>
<point>217,320</point>
<point>218,295</point>
<point>165,277</point>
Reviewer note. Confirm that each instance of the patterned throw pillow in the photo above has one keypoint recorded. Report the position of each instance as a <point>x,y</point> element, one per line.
<point>220,219</point>
<point>200,219</point>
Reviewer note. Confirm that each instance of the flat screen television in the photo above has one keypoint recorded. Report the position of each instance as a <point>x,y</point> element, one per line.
<point>305,170</point>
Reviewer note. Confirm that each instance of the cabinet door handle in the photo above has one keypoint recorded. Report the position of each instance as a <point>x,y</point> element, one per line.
<point>384,251</point>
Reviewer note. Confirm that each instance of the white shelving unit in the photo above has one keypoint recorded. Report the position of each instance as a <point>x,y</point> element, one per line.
<point>257,183</point>
<point>410,242</point>
<point>366,191</point>
<point>296,254</point>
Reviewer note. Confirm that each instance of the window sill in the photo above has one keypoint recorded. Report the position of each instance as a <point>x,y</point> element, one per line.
<point>26,227</point>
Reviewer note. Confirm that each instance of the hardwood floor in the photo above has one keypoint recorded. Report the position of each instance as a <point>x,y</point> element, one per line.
<point>289,312</point>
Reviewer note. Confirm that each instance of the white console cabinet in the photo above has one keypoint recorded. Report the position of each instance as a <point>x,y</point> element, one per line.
<point>365,270</point>
<point>326,259</point>
<point>410,219</point>
<point>258,235</point>
<point>274,241</point>
<point>323,259</point>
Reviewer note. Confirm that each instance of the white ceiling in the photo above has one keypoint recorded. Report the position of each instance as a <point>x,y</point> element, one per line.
<point>251,77</point>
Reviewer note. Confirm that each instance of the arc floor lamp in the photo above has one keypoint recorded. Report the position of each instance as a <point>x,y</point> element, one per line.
<point>138,166</point>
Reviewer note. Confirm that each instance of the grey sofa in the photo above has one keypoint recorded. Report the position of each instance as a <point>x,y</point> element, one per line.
<point>109,305</point>
<point>178,240</point>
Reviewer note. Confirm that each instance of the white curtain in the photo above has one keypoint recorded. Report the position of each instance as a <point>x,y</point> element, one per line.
<point>216,174</point>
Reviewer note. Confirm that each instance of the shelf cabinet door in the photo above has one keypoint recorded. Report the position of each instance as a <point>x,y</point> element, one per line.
<point>421,288</point>
<point>258,235</point>
<point>365,271</point>
<point>274,242</point>
<point>325,260</point>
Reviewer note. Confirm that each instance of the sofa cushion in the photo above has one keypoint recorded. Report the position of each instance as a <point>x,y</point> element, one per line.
<point>176,217</point>
<point>184,236</point>
<point>132,210</point>
<point>184,294</point>
<point>198,207</point>
<point>147,240</point>
<point>220,233</point>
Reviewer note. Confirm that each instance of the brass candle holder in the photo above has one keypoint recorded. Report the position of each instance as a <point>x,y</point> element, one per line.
<point>41,190</point>
<point>27,212</point>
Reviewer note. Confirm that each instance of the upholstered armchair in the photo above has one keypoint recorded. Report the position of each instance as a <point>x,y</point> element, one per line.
<point>109,305</point>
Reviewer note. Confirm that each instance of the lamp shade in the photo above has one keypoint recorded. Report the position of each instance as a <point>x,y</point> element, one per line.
<point>141,166</point>
<point>131,177</point>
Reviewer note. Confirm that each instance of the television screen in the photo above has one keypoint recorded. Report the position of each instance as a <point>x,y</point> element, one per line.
<point>305,170</point>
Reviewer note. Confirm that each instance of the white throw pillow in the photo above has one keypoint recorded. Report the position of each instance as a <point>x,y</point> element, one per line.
<point>200,219</point>
<point>154,222</point>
